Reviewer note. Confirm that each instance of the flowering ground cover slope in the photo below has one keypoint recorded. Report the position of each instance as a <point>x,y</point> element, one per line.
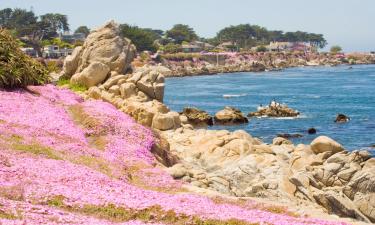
<point>65,161</point>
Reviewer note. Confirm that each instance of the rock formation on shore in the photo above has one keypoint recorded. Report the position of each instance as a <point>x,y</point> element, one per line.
<point>196,64</point>
<point>103,53</point>
<point>197,117</point>
<point>230,116</point>
<point>102,63</point>
<point>321,176</point>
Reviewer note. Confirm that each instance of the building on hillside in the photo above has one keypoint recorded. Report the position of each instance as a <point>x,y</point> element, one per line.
<point>189,48</point>
<point>227,46</point>
<point>276,46</point>
<point>30,51</point>
<point>55,52</point>
<point>203,45</point>
<point>72,38</point>
<point>301,46</point>
<point>289,46</point>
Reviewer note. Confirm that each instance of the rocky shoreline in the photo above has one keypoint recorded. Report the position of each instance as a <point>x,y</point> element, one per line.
<point>201,64</point>
<point>319,177</point>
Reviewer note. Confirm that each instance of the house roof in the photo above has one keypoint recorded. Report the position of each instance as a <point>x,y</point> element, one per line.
<point>280,44</point>
<point>191,46</point>
<point>226,44</point>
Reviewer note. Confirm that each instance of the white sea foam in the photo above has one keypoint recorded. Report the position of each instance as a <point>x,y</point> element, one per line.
<point>234,96</point>
<point>314,96</point>
<point>283,118</point>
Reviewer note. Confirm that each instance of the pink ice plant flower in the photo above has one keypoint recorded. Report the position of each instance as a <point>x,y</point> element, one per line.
<point>44,117</point>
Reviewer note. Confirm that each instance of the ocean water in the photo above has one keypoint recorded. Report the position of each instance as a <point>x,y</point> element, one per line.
<point>319,93</point>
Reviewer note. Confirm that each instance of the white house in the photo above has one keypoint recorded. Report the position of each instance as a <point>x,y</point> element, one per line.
<point>54,51</point>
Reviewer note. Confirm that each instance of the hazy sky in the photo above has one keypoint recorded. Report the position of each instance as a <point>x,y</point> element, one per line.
<point>349,23</point>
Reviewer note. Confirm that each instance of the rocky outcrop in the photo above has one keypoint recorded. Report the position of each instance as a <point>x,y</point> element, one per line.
<point>197,117</point>
<point>104,51</point>
<point>140,95</point>
<point>229,116</point>
<point>274,110</point>
<point>205,64</point>
<point>320,175</point>
<point>324,144</point>
<point>150,81</point>
<point>101,65</point>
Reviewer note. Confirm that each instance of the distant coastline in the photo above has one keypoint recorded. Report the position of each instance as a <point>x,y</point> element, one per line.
<point>195,64</point>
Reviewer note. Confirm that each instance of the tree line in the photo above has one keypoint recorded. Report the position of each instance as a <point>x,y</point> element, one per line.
<point>247,36</point>
<point>34,30</point>
<point>243,36</point>
<point>44,28</point>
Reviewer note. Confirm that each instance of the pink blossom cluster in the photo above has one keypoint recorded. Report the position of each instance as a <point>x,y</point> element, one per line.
<point>45,118</point>
<point>126,139</point>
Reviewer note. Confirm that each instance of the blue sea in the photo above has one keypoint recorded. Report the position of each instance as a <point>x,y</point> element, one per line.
<point>319,93</point>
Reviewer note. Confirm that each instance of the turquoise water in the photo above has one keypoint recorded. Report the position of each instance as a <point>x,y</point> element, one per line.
<point>318,93</point>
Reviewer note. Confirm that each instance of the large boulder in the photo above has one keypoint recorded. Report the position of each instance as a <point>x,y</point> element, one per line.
<point>281,141</point>
<point>339,204</point>
<point>127,90</point>
<point>361,189</point>
<point>197,117</point>
<point>92,75</point>
<point>144,112</point>
<point>71,62</point>
<point>325,144</point>
<point>168,121</point>
<point>104,45</point>
<point>230,115</point>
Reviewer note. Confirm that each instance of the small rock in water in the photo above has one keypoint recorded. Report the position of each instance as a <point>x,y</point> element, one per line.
<point>274,109</point>
<point>197,117</point>
<point>230,116</point>
<point>341,118</point>
<point>311,130</point>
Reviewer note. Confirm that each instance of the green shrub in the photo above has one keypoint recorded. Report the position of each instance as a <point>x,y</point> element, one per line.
<point>36,149</point>
<point>16,68</point>
<point>335,49</point>
<point>52,66</point>
<point>261,49</point>
<point>8,216</point>
<point>171,48</point>
<point>74,87</point>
